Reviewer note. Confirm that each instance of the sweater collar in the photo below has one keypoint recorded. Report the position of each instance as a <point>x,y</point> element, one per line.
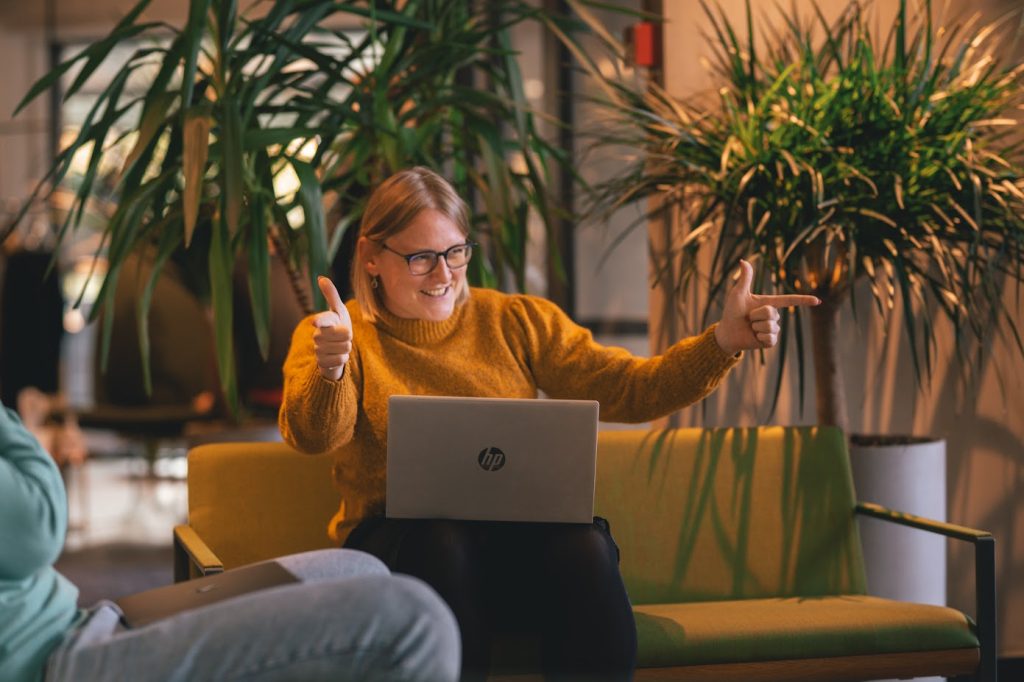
<point>419,331</point>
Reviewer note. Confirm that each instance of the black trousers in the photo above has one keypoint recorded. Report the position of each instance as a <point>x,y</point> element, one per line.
<point>559,582</point>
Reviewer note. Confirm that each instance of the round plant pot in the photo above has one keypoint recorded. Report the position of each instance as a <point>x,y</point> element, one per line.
<point>906,475</point>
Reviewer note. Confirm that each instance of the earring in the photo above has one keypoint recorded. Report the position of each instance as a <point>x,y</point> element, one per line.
<point>375,282</point>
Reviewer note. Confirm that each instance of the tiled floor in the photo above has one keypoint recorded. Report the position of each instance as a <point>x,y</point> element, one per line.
<point>118,500</point>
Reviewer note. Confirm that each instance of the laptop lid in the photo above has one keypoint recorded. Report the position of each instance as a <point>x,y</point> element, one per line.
<point>143,608</point>
<point>491,459</point>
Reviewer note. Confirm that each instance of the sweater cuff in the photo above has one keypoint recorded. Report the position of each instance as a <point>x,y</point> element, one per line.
<point>710,357</point>
<point>324,396</point>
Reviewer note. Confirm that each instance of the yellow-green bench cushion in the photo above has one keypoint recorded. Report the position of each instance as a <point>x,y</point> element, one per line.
<point>792,628</point>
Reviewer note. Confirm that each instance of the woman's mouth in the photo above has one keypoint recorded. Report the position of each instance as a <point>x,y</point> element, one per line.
<point>436,292</point>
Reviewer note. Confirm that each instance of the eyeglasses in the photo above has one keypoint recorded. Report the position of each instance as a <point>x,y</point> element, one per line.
<point>424,262</point>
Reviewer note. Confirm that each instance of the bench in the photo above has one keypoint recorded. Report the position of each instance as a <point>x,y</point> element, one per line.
<point>740,552</point>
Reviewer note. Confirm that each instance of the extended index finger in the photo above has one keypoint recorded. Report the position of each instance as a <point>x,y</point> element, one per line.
<point>787,300</point>
<point>330,293</point>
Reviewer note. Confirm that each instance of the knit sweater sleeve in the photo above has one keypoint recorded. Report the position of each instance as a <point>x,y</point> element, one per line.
<point>567,363</point>
<point>317,415</point>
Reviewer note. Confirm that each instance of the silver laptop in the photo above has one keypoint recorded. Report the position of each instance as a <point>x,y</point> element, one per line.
<point>146,607</point>
<point>490,459</point>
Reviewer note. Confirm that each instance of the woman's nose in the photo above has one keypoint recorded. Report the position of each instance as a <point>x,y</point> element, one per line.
<point>441,272</point>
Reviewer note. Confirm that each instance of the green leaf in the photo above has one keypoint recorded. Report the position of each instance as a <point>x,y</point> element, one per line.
<point>311,199</point>
<point>150,122</point>
<point>98,134</point>
<point>169,240</point>
<point>261,138</point>
<point>226,14</point>
<point>221,263</point>
<point>47,81</point>
<point>384,16</point>
<point>192,38</point>
<point>92,55</point>
<point>99,52</point>
<point>259,274</point>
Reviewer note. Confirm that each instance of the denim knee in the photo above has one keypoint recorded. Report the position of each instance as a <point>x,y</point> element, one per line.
<point>427,640</point>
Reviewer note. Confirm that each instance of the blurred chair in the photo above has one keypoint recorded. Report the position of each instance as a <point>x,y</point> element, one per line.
<point>181,348</point>
<point>740,553</point>
<point>182,362</point>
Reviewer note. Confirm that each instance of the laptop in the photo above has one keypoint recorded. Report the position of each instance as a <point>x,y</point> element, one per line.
<point>146,607</point>
<point>491,459</point>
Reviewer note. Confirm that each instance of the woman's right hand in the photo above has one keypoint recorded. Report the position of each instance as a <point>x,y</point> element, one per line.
<point>332,340</point>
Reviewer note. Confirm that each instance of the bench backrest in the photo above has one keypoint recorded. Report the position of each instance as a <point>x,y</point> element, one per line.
<point>698,513</point>
<point>706,514</point>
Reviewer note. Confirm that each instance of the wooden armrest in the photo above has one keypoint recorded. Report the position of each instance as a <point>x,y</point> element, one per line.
<point>984,573</point>
<point>191,552</point>
<point>948,529</point>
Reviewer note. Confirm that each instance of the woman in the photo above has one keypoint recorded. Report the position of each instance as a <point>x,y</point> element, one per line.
<point>415,327</point>
<point>347,618</point>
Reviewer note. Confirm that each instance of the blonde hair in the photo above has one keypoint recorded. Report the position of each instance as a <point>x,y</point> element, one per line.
<point>391,208</point>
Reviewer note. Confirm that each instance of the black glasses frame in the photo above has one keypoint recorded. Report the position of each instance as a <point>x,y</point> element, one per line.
<point>436,255</point>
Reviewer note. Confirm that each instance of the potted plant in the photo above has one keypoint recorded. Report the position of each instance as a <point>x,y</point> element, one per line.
<point>834,158</point>
<point>261,133</point>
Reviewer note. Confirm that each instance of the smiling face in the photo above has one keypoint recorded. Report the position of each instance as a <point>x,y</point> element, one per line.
<point>418,297</point>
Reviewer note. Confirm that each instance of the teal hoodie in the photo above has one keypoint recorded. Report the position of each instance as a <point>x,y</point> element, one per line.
<point>37,604</point>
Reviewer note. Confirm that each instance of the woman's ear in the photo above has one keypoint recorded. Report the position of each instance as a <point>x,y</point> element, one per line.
<point>366,253</point>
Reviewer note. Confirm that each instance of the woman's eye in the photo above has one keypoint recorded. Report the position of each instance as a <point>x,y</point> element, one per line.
<point>420,258</point>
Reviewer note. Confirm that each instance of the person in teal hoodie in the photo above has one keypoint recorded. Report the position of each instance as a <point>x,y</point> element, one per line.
<point>348,618</point>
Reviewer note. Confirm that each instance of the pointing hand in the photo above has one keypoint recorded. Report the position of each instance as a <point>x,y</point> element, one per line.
<point>332,340</point>
<point>751,320</point>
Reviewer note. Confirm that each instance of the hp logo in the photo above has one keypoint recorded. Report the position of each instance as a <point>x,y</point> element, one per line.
<point>491,459</point>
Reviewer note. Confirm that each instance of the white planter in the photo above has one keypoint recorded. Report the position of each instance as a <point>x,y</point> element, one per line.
<point>902,563</point>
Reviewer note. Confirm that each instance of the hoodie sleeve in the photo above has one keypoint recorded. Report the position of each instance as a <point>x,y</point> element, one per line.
<point>33,503</point>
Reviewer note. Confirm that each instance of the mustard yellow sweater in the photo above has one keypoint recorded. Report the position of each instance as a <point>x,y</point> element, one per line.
<point>495,345</point>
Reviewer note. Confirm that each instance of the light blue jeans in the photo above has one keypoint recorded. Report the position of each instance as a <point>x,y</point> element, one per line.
<point>349,619</point>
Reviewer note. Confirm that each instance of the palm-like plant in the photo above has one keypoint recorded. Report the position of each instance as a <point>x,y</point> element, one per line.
<point>238,100</point>
<point>833,156</point>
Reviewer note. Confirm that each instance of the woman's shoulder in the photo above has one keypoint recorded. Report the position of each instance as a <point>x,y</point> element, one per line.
<point>516,311</point>
<point>494,299</point>
<point>355,311</point>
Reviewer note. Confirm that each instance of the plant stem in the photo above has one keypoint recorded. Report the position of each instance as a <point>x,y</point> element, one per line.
<point>828,377</point>
<point>294,276</point>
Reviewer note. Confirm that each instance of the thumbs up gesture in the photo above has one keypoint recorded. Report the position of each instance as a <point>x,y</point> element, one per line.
<point>332,340</point>
<point>751,320</point>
